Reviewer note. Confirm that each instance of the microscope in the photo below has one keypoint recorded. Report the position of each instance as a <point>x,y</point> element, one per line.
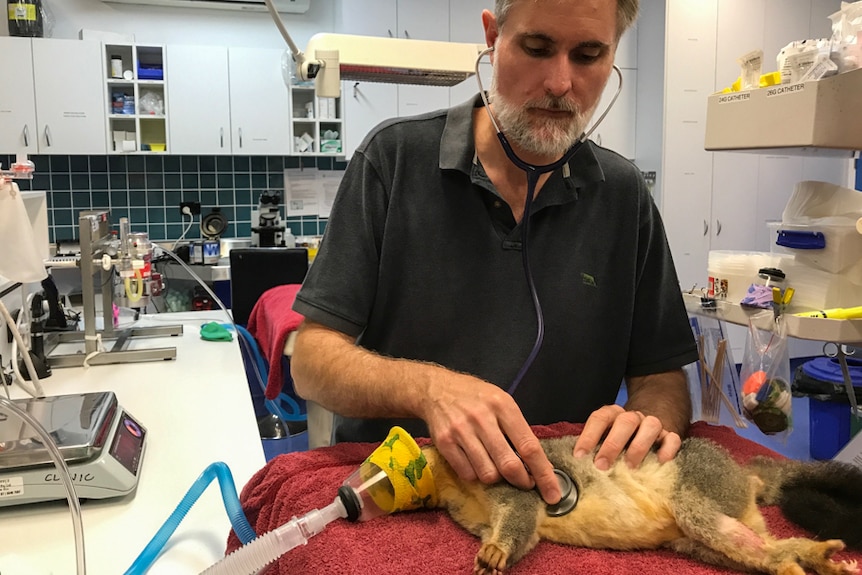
<point>267,230</point>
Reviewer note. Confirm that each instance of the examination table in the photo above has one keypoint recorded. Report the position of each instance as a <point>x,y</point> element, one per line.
<point>430,542</point>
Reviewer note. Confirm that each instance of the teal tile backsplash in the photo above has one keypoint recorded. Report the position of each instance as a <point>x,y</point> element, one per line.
<point>148,190</point>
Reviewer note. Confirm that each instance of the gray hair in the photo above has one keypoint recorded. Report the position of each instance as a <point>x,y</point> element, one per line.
<point>627,13</point>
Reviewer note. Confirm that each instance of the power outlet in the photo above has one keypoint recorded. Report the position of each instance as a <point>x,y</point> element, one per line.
<point>194,207</point>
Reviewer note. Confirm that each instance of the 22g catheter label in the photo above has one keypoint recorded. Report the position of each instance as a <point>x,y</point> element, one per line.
<point>11,486</point>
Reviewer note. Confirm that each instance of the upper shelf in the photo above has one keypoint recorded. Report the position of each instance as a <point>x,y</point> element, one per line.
<point>818,117</point>
<point>842,331</point>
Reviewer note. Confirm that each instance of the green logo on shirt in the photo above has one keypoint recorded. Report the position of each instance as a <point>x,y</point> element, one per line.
<point>588,280</point>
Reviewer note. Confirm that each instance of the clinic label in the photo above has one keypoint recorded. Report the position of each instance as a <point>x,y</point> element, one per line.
<point>737,97</point>
<point>783,90</point>
<point>11,486</point>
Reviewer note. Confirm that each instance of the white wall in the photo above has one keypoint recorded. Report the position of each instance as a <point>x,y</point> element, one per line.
<point>197,26</point>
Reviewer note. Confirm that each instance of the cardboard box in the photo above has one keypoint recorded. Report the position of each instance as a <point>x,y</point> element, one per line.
<point>821,113</point>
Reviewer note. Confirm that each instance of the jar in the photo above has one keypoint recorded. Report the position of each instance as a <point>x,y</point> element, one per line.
<point>771,277</point>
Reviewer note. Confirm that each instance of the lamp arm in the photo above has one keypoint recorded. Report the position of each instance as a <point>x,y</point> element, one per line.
<point>298,56</point>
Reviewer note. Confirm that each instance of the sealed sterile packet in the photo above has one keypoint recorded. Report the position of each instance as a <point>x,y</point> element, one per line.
<point>765,373</point>
<point>751,65</point>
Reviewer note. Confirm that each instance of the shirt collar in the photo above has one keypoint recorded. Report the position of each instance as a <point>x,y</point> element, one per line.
<point>457,147</point>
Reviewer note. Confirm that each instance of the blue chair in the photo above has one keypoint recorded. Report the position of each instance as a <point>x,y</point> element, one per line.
<point>282,422</point>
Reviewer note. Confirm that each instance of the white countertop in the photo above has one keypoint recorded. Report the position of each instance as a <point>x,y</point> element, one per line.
<point>197,410</point>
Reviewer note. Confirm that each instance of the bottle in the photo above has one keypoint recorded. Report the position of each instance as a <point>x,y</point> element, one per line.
<point>289,238</point>
<point>116,67</point>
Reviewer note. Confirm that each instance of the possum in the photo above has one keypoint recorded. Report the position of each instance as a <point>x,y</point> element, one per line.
<point>702,504</point>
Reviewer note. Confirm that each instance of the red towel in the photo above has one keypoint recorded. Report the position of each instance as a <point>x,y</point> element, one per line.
<point>429,542</point>
<point>271,321</point>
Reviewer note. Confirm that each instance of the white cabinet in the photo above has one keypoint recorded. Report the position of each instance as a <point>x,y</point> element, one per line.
<point>199,93</point>
<point>366,104</point>
<point>722,200</point>
<point>136,98</point>
<point>617,130</point>
<point>259,102</point>
<point>70,106</point>
<point>17,101</point>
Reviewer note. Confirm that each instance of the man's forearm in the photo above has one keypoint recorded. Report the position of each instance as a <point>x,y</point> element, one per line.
<point>330,369</point>
<point>663,395</point>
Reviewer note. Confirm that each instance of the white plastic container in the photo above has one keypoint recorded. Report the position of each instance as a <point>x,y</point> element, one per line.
<point>842,244</point>
<point>816,289</point>
<point>732,272</point>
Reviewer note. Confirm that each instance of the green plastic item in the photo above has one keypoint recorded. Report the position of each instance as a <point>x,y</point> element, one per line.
<point>213,331</point>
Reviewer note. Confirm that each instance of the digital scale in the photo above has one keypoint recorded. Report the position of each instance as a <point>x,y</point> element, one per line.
<point>102,444</point>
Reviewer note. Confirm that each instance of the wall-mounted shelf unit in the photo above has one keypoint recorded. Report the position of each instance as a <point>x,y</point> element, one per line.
<point>819,117</point>
<point>316,124</point>
<point>136,98</point>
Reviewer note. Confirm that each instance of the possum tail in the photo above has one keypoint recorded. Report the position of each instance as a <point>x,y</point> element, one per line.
<point>822,497</point>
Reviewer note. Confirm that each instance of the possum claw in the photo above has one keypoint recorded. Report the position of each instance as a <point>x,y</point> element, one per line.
<point>491,560</point>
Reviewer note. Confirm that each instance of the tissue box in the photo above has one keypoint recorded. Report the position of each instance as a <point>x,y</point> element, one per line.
<point>330,146</point>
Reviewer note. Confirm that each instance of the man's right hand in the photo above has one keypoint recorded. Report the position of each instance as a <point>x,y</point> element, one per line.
<point>481,432</point>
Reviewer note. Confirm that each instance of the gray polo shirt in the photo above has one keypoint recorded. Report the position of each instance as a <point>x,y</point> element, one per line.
<point>422,259</point>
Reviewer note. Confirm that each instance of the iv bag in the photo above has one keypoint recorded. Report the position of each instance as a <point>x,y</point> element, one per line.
<point>19,259</point>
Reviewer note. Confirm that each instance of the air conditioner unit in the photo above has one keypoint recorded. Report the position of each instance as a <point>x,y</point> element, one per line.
<point>288,6</point>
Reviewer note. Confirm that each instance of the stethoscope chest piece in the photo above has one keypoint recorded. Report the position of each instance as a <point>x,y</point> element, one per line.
<point>569,499</point>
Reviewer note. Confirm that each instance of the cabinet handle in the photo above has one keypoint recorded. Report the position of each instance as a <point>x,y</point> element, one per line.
<point>717,227</point>
<point>221,137</point>
<point>705,227</point>
<point>239,130</point>
<point>26,136</point>
<point>356,91</point>
<point>406,34</point>
<point>390,33</point>
<point>47,136</point>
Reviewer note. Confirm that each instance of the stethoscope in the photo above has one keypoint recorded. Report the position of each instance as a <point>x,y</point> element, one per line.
<point>568,488</point>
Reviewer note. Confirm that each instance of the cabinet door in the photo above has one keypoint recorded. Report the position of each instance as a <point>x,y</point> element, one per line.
<point>366,104</point>
<point>422,21</point>
<point>70,103</point>
<point>370,17</point>
<point>690,39</point>
<point>259,102</point>
<point>17,101</point>
<point>199,92</point>
<point>617,130</point>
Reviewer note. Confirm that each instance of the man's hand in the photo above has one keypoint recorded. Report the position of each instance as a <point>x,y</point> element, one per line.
<point>631,431</point>
<point>657,413</point>
<point>481,432</point>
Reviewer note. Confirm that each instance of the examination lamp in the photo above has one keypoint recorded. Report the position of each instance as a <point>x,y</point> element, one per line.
<point>339,57</point>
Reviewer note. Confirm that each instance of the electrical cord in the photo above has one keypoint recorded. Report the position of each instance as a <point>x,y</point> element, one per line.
<point>187,211</point>
<point>36,389</point>
<point>62,471</point>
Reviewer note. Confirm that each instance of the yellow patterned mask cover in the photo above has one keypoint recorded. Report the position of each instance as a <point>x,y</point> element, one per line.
<point>404,464</point>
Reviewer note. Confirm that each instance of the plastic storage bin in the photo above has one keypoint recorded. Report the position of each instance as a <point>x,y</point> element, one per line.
<point>832,248</point>
<point>832,424</point>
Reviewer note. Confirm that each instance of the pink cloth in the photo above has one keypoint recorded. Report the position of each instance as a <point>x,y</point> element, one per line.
<point>429,542</point>
<point>270,323</point>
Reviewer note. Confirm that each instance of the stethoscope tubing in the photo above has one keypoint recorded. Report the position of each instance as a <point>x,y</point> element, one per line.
<point>533,172</point>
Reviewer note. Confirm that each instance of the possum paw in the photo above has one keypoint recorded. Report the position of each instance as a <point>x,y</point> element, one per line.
<point>491,560</point>
<point>828,567</point>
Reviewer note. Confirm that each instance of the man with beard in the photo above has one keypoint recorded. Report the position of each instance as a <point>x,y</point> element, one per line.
<point>417,308</point>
